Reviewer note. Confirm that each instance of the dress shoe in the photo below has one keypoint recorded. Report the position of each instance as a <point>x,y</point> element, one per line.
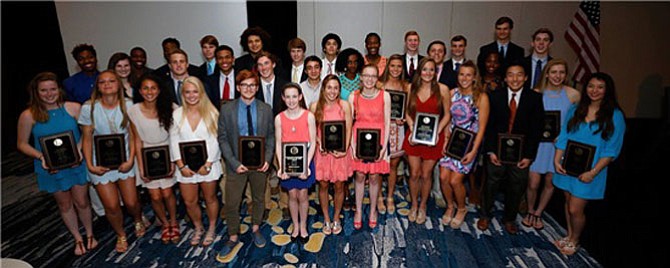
<point>511,228</point>
<point>483,224</point>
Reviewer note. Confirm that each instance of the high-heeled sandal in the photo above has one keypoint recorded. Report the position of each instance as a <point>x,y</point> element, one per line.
<point>79,246</point>
<point>121,244</point>
<point>91,243</point>
<point>448,215</point>
<point>358,224</point>
<point>197,235</point>
<point>337,227</point>
<point>209,239</point>
<point>175,236</point>
<point>327,228</point>
<point>390,205</point>
<point>140,230</point>
<point>458,219</point>
<point>380,205</point>
<point>166,235</point>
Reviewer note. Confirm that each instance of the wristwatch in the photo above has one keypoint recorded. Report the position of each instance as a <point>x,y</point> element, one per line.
<point>208,169</point>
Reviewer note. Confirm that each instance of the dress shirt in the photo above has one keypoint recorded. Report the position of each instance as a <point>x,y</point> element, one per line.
<point>242,117</point>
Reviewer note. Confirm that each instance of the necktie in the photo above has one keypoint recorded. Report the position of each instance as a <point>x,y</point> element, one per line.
<point>458,65</point>
<point>512,112</point>
<point>538,73</point>
<point>330,68</point>
<point>210,69</point>
<point>179,83</point>
<point>502,51</point>
<point>226,90</point>
<point>411,67</point>
<point>250,123</point>
<point>295,78</point>
<point>268,94</point>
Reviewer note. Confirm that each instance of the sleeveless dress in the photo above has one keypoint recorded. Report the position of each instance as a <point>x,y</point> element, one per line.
<point>296,130</point>
<point>553,101</point>
<point>349,86</point>
<point>420,150</point>
<point>370,114</point>
<point>106,122</point>
<point>464,114</point>
<point>59,121</point>
<point>396,138</point>
<point>152,134</point>
<point>328,167</point>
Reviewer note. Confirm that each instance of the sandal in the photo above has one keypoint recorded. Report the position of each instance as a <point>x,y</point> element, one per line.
<point>528,220</point>
<point>560,243</point>
<point>380,205</point>
<point>569,248</point>
<point>209,239</point>
<point>197,235</point>
<point>358,224</point>
<point>121,244</point>
<point>140,229</point>
<point>91,243</point>
<point>538,225</point>
<point>390,205</point>
<point>175,236</point>
<point>412,215</point>
<point>459,218</point>
<point>337,227</point>
<point>79,248</point>
<point>327,229</point>
<point>166,235</point>
<point>421,216</point>
<point>448,215</point>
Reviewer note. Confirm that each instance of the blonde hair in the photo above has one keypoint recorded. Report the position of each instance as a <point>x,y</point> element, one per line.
<point>97,95</point>
<point>477,88</point>
<point>204,107</point>
<point>544,81</point>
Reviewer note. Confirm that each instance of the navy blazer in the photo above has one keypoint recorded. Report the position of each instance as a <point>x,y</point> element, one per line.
<point>277,103</point>
<point>528,68</point>
<point>514,53</point>
<point>448,76</point>
<point>168,83</point>
<point>214,91</point>
<point>404,66</point>
<point>528,121</point>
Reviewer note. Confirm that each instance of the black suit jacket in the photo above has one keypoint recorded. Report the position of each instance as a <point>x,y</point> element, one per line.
<point>168,83</point>
<point>528,121</point>
<point>448,76</point>
<point>277,103</point>
<point>514,53</point>
<point>404,66</point>
<point>215,89</point>
<point>288,73</point>
<point>192,70</point>
<point>528,68</point>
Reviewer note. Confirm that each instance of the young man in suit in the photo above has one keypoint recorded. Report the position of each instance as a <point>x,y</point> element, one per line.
<point>514,110</point>
<point>411,55</point>
<point>208,45</point>
<point>179,70</point>
<point>509,52</point>
<point>450,70</point>
<point>294,72</point>
<point>436,51</point>
<point>535,62</point>
<point>271,84</point>
<point>245,116</point>
<point>222,81</point>
<point>169,44</point>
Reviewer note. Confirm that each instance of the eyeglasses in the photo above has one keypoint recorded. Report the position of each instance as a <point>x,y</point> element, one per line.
<point>248,86</point>
<point>368,76</point>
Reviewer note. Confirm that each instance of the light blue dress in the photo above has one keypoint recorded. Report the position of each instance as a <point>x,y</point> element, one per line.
<point>553,101</point>
<point>604,148</point>
<point>106,122</point>
<point>59,121</point>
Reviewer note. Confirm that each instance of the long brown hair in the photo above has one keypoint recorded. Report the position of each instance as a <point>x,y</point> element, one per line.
<point>35,105</point>
<point>416,85</point>
<point>97,95</point>
<point>605,112</point>
<point>387,74</point>
<point>321,103</point>
<point>477,88</point>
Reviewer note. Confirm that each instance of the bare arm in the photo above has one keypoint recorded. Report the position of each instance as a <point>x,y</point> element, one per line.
<point>278,144</point>
<point>24,128</point>
<point>446,106</point>
<point>483,107</point>
<point>311,122</point>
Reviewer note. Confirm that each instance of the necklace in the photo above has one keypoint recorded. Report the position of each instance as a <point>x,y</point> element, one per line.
<point>367,95</point>
<point>110,119</point>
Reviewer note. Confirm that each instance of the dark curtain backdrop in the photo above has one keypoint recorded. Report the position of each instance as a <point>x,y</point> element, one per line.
<point>31,43</point>
<point>280,20</point>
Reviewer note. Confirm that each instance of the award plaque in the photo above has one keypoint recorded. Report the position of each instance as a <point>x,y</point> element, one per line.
<point>110,150</point>
<point>425,129</point>
<point>294,158</point>
<point>460,143</point>
<point>510,147</point>
<point>193,154</point>
<point>60,150</point>
<point>251,151</point>
<point>552,126</point>
<point>398,103</point>
<point>368,144</point>
<point>333,136</point>
<point>156,162</point>
<point>578,158</point>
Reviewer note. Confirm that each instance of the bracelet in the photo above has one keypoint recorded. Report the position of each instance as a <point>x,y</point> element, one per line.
<point>183,167</point>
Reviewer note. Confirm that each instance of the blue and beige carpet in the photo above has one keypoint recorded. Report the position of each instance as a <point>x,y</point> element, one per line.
<point>33,231</point>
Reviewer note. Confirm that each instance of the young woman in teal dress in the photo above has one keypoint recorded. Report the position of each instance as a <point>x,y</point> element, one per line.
<point>48,113</point>
<point>597,120</point>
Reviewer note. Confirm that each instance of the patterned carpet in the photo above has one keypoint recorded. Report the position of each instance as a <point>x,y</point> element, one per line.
<point>33,231</point>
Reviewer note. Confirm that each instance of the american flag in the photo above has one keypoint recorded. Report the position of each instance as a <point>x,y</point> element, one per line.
<point>583,36</point>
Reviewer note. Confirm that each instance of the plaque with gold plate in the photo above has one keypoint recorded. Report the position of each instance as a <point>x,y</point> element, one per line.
<point>156,162</point>
<point>398,104</point>
<point>460,143</point>
<point>425,129</point>
<point>551,126</point>
<point>510,147</point>
<point>193,154</point>
<point>60,150</point>
<point>368,144</point>
<point>294,158</point>
<point>110,150</point>
<point>578,158</point>
<point>251,151</point>
<point>333,136</point>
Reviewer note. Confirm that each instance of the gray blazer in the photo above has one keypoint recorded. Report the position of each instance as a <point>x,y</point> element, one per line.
<point>229,133</point>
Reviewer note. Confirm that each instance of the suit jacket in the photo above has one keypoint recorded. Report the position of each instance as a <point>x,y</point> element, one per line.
<point>214,92</point>
<point>528,121</point>
<point>165,71</point>
<point>514,53</point>
<point>528,68</point>
<point>277,103</point>
<point>287,71</point>
<point>168,83</point>
<point>229,132</point>
<point>404,66</point>
<point>448,76</point>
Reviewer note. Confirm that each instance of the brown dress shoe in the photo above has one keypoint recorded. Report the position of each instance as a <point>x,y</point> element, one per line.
<point>511,228</point>
<point>483,224</point>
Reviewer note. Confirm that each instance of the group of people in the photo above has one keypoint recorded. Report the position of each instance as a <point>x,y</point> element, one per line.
<point>228,98</point>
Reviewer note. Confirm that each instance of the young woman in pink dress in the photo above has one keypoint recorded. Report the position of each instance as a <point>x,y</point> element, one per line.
<point>372,110</point>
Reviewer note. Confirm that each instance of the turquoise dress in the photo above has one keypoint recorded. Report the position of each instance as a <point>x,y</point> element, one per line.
<point>59,121</point>
<point>553,101</point>
<point>604,148</point>
<point>349,86</point>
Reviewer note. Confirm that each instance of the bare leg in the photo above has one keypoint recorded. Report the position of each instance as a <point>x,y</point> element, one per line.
<point>83,205</point>
<point>323,200</point>
<point>577,218</point>
<point>375,189</point>
<point>129,194</point>
<point>338,200</point>
<point>447,192</point>
<point>158,205</point>
<point>360,192</point>
<point>293,207</point>
<point>171,204</point>
<point>414,181</point>
<point>547,191</point>
<point>189,191</point>
<point>209,193</point>
<point>109,195</point>
<point>427,181</point>
<point>69,215</point>
<point>303,203</point>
